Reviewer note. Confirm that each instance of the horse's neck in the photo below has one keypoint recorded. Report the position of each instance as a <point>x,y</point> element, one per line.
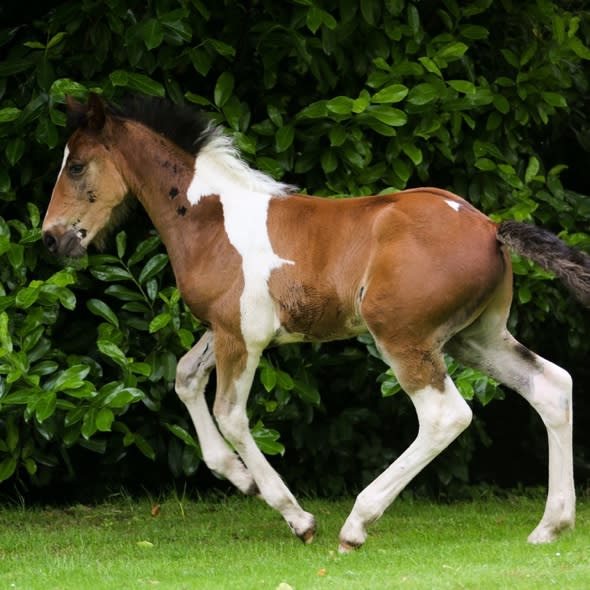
<point>159,175</point>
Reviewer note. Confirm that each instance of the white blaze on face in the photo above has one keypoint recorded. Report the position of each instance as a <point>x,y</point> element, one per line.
<point>63,165</point>
<point>245,195</point>
<point>65,159</point>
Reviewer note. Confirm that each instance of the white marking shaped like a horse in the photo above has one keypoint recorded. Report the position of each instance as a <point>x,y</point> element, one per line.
<point>245,195</point>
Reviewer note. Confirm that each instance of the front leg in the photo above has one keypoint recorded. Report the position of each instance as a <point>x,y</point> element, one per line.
<point>236,366</point>
<point>192,375</point>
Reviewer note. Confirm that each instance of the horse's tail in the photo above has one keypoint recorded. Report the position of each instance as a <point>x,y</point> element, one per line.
<point>550,253</point>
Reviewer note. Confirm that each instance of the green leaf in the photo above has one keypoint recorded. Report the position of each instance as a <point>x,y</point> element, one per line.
<point>14,150</point>
<point>111,350</point>
<point>474,32</point>
<point>104,419</point>
<point>159,322</point>
<point>124,293</point>
<point>340,105</point>
<point>121,398</point>
<point>554,99</point>
<point>463,86</point>
<point>430,66</point>
<point>101,309</point>
<point>152,34</point>
<point>221,47</point>
<point>391,94</point>
<point>284,138</point>
<point>329,161</point>
<point>56,39</point>
<point>8,114</point>
<point>223,89</point>
<point>121,241</point>
<point>315,110</point>
<point>307,393</point>
<point>111,273</point>
<point>337,135</point>
<point>65,86</point>
<point>145,85</point>
<point>453,51</point>
<point>26,297</point>
<point>532,169</point>
<point>143,249</point>
<point>45,406</point>
<point>71,378</point>
<point>313,18</point>
<point>7,468</point>
<point>267,440</point>
<point>119,78</point>
<point>268,377</point>
<point>485,164</point>
<point>413,152</point>
<point>152,267</point>
<point>423,94</point>
<point>388,115</point>
<point>183,435</point>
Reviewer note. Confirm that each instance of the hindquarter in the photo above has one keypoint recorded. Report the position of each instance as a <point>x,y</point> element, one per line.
<point>429,276</point>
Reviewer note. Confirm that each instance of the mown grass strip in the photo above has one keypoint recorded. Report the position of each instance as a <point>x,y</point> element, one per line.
<point>239,544</point>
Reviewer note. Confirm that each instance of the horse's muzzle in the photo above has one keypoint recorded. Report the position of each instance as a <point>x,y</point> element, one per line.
<point>65,244</point>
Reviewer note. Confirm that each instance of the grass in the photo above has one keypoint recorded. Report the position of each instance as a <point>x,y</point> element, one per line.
<point>238,543</point>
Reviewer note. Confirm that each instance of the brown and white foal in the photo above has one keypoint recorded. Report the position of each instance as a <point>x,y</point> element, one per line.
<point>421,270</point>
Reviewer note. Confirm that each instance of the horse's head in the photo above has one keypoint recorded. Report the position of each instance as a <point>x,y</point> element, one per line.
<point>90,186</point>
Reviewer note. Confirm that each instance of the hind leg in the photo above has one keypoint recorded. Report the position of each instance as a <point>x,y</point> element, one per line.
<point>442,415</point>
<point>548,388</point>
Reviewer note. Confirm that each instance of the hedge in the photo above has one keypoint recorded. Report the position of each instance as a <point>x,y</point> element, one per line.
<point>339,97</point>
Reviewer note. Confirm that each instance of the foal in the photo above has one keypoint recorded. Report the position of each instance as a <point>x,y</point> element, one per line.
<point>421,270</point>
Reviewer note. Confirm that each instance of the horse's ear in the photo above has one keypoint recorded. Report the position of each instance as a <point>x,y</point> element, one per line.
<point>76,113</point>
<point>96,112</point>
<point>90,115</point>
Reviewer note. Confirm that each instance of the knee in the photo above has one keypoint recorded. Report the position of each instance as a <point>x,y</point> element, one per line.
<point>232,423</point>
<point>443,415</point>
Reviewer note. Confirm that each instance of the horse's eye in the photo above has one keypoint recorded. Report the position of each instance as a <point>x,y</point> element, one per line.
<point>76,168</point>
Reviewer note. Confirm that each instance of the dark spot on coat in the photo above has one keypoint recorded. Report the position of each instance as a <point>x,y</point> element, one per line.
<point>91,196</point>
<point>173,192</point>
<point>181,211</point>
<point>83,233</point>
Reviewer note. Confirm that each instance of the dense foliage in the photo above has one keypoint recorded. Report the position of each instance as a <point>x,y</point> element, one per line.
<point>337,96</point>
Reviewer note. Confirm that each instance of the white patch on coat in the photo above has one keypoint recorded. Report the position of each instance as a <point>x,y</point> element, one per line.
<point>245,194</point>
<point>453,204</point>
<point>219,170</point>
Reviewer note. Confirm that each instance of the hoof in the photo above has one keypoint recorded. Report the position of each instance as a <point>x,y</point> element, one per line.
<point>346,547</point>
<point>308,536</point>
<point>547,534</point>
<point>541,536</point>
<point>306,530</point>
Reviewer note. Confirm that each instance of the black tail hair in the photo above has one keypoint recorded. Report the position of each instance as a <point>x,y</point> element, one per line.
<point>550,253</point>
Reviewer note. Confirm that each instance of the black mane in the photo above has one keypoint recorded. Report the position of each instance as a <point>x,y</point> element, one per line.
<point>186,127</point>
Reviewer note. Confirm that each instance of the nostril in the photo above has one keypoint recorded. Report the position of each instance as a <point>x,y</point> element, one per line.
<point>50,242</point>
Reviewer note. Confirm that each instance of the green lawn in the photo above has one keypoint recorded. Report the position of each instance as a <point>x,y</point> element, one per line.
<point>239,543</point>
